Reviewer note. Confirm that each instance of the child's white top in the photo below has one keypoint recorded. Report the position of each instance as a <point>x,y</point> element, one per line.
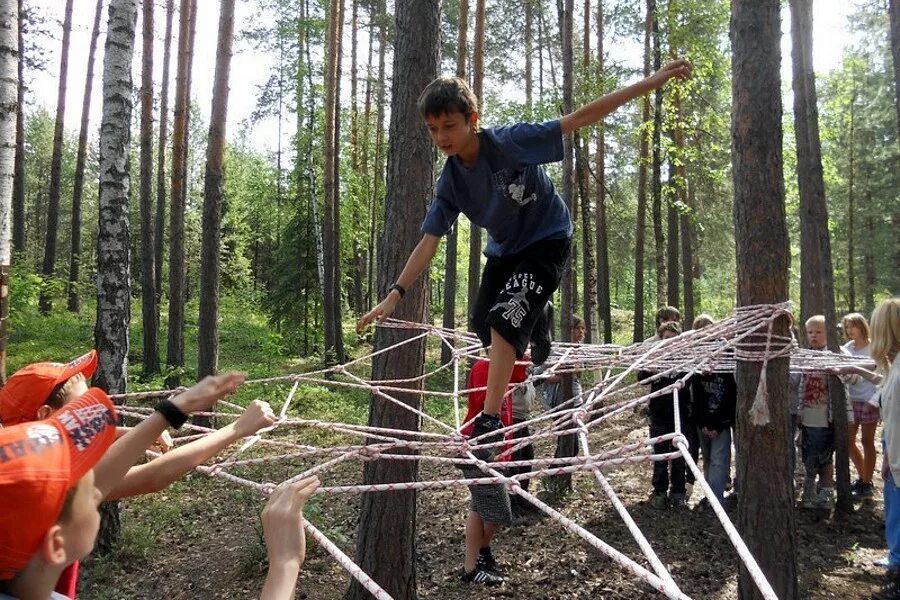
<point>889,391</point>
<point>861,389</point>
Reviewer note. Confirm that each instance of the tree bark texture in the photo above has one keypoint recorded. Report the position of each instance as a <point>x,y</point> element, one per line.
<point>673,251</point>
<point>894,8</point>
<point>160,228</point>
<point>765,508</point>
<point>477,85</point>
<point>18,201</point>
<point>175,338</point>
<point>213,199</point>
<point>149,309</point>
<point>659,240</point>
<point>330,300</point>
<point>386,542</point>
<point>641,219</point>
<point>9,111</point>
<point>114,234</point>
<point>816,274</point>
<point>49,264</point>
<point>603,291</point>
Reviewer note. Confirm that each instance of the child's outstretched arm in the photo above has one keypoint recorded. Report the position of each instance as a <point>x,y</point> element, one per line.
<point>161,472</point>
<point>282,521</point>
<point>126,451</point>
<point>418,260</point>
<point>599,108</point>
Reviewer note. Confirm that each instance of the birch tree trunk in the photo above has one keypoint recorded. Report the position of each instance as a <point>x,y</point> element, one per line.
<point>49,264</point>
<point>114,234</point>
<point>386,537</point>
<point>9,111</point>
<point>765,506</point>
<point>18,200</point>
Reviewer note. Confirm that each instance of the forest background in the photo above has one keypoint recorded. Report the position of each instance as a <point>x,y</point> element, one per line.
<point>282,231</point>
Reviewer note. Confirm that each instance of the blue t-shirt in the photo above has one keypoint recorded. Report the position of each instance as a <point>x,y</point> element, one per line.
<point>507,192</point>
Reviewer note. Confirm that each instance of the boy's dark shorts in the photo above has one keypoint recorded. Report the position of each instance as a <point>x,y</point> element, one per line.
<point>818,448</point>
<point>514,290</point>
<point>490,501</point>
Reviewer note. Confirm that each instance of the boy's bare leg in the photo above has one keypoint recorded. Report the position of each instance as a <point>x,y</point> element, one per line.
<point>474,534</point>
<point>503,359</point>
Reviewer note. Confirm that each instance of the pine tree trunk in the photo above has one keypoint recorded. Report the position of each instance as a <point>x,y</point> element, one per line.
<point>18,200</point>
<point>641,219</point>
<point>529,66</point>
<point>9,113</point>
<point>452,252</point>
<point>379,143</point>
<point>175,341</point>
<point>589,280</point>
<point>49,265</point>
<point>603,292</point>
<point>765,507</point>
<point>658,236</point>
<point>894,9</point>
<point>149,310</point>
<point>114,235</point>
<point>817,273</point>
<point>386,536</point>
<point>477,88</point>
<point>331,297</point>
<point>565,445</point>
<point>213,200</point>
<point>868,288</point>
<point>74,297</point>
<point>673,250</point>
<point>851,226</point>
<point>358,258</point>
<point>160,228</point>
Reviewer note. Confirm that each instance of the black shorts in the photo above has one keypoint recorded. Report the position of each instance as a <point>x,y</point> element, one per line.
<point>514,290</point>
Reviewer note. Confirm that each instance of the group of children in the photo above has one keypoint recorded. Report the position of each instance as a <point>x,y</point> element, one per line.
<point>62,454</point>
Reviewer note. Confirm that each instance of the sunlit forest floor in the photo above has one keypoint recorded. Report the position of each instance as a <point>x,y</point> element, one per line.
<point>201,538</point>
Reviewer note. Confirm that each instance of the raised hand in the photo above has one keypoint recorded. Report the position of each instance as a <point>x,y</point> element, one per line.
<point>256,416</point>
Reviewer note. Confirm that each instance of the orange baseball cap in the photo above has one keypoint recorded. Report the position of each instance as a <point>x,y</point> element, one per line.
<point>39,463</point>
<point>30,387</point>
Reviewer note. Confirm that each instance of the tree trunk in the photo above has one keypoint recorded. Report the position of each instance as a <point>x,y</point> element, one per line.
<point>149,308</point>
<point>386,537</point>
<point>589,280</point>
<point>765,508</point>
<point>868,288</point>
<point>477,85</point>
<point>658,237</point>
<point>114,234</point>
<point>565,445</point>
<point>18,200</point>
<point>160,228</point>
<point>379,141</point>
<point>673,251</point>
<point>894,8</point>
<point>9,113</point>
<point>337,280</point>
<point>687,264</point>
<point>816,274</point>
<point>49,266</point>
<point>74,297</point>
<point>851,226</point>
<point>175,342</point>
<point>213,198</point>
<point>641,219</point>
<point>452,254</point>
<point>529,49</point>
<point>603,292</point>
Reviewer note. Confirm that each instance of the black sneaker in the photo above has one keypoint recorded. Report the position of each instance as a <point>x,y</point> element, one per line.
<point>487,562</point>
<point>856,487</point>
<point>482,576</point>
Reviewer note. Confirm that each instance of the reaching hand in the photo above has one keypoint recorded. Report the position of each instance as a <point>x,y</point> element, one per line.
<point>680,68</point>
<point>377,314</point>
<point>208,391</point>
<point>282,521</point>
<point>163,443</point>
<point>257,415</point>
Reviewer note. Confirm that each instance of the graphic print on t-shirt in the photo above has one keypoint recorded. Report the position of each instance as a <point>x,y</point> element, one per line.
<point>518,305</point>
<point>814,392</point>
<point>510,184</point>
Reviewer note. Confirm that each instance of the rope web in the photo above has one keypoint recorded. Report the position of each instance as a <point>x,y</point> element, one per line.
<point>746,336</point>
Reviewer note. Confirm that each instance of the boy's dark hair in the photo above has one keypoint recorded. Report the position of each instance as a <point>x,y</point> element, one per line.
<point>667,313</point>
<point>446,95</point>
<point>61,392</point>
<point>669,326</point>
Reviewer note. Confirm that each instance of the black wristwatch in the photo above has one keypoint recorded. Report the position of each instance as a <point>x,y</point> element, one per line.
<point>400,289</point>
<point>172,413</point>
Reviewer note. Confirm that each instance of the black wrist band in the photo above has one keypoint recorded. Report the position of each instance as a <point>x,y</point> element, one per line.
<point>400,289</point>
<point>172,413</point>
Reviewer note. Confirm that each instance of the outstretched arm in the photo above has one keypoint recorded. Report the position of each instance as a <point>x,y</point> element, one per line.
<point>416,263</point>
<point>122,455</point>
<point>599,108</point>
<point>161,472</point>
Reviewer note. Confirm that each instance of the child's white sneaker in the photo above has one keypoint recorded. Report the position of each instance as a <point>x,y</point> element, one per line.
<point>809,498</point>
<point>825,498</point>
